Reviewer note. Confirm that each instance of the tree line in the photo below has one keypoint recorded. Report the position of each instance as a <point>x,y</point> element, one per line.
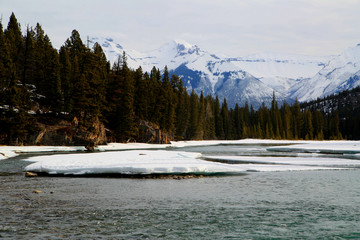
<point>40,84</point>
<point>346,104</point>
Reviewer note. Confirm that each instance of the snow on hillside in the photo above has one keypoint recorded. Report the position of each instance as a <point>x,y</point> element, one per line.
<point>200,70</point>
<point>280,71</point>
<point>251,79</point>
<point>341,73</point>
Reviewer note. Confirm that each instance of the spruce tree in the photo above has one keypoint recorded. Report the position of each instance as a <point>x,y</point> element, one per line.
<point>125,126</point>
<point>15,43</point>
<point>66,80</point>
<point>219,127</point>
<point>209,125</point>
<point>227,124</point>
<point>182,113</point>
<point>140,101</point>
<point>6,68</point>
<point>202,115</point>
<point>193,130</point>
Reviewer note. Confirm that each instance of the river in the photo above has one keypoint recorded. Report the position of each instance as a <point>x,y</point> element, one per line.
<point>259,205</point>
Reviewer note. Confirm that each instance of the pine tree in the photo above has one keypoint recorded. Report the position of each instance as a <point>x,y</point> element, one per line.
<point>140,101</point>
<point>28,59</point>
<point>202,116</point>
<point>307,126</point>
<point>193,130</point>
<point>125,126</point>
<point>334,124</point>
<point>219,127</point>
<point>66,80</point>
<point>318,124</point>
<point>296,120</point>
<point>209,127</point>
<point>155,102</point>
<point>286,116</point>
<point>172,104</point>
<point>15,43</point>
<point>47,71</point>
<point>227,125</point>
<point>237,122</point>
<point>275,117</point>
<point>167,102</point>
<point>6,68</point>
<point>182,113</point>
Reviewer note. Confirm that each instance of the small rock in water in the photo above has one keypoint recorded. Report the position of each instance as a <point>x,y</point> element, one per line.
<point>37,191</point>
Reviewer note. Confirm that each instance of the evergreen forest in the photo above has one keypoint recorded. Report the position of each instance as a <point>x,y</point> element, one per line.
<point>41,86</point>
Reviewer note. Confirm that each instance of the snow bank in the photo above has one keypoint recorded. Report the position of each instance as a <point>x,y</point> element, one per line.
<point>13,151</point>
<point>127,162</point>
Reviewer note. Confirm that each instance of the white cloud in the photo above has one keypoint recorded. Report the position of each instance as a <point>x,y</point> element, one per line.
<point>314,27</point>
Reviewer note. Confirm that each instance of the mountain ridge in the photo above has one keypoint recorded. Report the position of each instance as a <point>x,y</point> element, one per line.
<point>253,78</point>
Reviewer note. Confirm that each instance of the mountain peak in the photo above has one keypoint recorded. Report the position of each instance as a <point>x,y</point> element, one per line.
<point>182,44</point>
<point>179,47</point>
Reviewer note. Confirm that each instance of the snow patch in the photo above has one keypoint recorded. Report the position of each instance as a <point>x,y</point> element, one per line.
<point>127,162</point>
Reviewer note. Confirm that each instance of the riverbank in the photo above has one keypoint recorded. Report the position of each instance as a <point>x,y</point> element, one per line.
<point>296,145</point>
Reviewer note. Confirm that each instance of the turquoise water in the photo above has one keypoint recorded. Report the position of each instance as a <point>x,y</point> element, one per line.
<point>273,205</point>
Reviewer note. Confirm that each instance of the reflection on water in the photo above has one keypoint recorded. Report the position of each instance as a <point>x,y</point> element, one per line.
<point>275,205</point>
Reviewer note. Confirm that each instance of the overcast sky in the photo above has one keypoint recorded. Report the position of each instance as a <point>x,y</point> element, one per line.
<point>232,27</point>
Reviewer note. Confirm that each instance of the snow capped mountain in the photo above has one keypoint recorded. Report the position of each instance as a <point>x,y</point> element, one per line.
<point>251,79</point>
<point>281,71</point>
<point>113,50</point>
<point>199,70</point>
<point>341,73</point>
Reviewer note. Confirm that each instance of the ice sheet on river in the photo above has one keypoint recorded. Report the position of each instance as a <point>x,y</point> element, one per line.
<point>300,161</point>
<point>296,145</point>
<point>144,162</point>
<point>337,147</point>
<point>126,162</point>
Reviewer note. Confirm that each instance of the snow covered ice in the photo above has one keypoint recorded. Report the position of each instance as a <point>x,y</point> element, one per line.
<point>127,162</point>
<point>300,161</point>
<point>139,158</point>
<point>138,162</point>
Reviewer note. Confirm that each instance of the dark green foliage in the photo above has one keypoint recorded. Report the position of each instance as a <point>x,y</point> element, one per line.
<point>194,127</point>
<point>219,127</point>
<point>15,43</point>
<point>37,81</point>
<point>46,73</point>
<point>182,112</point>
<point>227,121</point>
<point>120,96</point>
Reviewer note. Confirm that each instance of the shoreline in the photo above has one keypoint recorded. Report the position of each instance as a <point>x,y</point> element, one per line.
<point>7,151</point>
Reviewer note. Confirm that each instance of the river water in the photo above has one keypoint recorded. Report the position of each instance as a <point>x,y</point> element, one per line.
<point>270,205</point>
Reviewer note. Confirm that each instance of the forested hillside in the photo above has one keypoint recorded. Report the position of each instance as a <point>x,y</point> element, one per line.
<point>347,105</point>
<point>75,91</point>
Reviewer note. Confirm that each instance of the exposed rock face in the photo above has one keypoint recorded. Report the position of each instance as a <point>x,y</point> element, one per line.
<point>151,133</point>
<point>66,133</point>
<point>71,133</point>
